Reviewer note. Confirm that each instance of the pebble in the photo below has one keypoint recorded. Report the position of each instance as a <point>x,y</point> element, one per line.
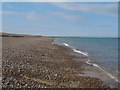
<point>34,63</point>
<point>55,74</point>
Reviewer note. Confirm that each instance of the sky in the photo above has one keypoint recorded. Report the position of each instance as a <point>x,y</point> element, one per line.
<point>88,19</point>
<point>60,0</point>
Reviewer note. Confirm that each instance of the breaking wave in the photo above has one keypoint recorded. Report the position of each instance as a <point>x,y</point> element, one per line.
<point>75,50</point>
<point>88,62</point>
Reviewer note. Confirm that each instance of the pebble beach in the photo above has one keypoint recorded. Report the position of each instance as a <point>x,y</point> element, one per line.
<point>36,62</point>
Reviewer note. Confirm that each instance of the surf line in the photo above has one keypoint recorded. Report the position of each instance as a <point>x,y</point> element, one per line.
<point>75,50</point>
<point>95,65</point>
<point>88,62</point>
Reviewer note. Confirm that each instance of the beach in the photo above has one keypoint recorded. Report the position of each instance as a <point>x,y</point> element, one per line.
<point>36,62</point>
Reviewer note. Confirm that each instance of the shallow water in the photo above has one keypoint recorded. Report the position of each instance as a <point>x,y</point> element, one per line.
<point>101,52</point>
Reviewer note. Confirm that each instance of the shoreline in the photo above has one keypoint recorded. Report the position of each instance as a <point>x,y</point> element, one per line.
<point>111,80</point>
<point>35,62</point>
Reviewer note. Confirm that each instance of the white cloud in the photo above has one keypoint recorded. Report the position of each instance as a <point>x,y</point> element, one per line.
<point>70,16</point>
<point>29,15</point>
<point>105,9</point>
<point>9,6</point>
<point>35,16</point>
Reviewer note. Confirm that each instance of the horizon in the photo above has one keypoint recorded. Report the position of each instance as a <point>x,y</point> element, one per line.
<point>62,36</point>
<point>90,19</point>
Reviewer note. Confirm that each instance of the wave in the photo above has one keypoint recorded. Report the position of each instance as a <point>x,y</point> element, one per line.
<point>95,65</point>
<point>88,62</point>
<point>75,50</point>
<point>66,44</point>
<point>78,51</point>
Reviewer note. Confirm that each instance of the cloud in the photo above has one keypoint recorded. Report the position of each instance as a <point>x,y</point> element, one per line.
<point>70,16</point>
<point>29,15</point>
<point>104,9</point>
<point>33,15</point>
<point>9,6</point>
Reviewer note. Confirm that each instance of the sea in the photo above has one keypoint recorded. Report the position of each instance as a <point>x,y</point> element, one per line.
<point>101,52</point>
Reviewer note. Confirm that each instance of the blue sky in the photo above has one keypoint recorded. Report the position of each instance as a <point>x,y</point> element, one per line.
<point>61,19</point>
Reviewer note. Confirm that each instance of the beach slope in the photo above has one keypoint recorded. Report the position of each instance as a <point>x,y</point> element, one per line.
<point>34,61</point>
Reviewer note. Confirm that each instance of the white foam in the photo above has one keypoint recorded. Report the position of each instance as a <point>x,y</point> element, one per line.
<point>95,65</point>
<point>78,51</point>
<point>88,62</point>
<point>55,40</point>
<point>108,74</point>
<point>66,44</point>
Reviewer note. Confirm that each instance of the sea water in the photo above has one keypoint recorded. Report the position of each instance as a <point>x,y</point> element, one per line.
<point>101,52</point>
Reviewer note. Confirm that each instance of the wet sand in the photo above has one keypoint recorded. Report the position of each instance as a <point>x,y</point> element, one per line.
<point>35,62</point>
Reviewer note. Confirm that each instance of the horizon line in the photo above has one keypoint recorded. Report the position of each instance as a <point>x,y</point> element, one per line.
<point>66,36</point>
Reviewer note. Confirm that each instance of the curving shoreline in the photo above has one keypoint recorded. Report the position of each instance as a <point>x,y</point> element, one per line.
<point>96,70</point>
<point>31,62</point>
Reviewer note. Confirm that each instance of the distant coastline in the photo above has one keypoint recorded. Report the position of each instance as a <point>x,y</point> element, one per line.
<point>13,34</point>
